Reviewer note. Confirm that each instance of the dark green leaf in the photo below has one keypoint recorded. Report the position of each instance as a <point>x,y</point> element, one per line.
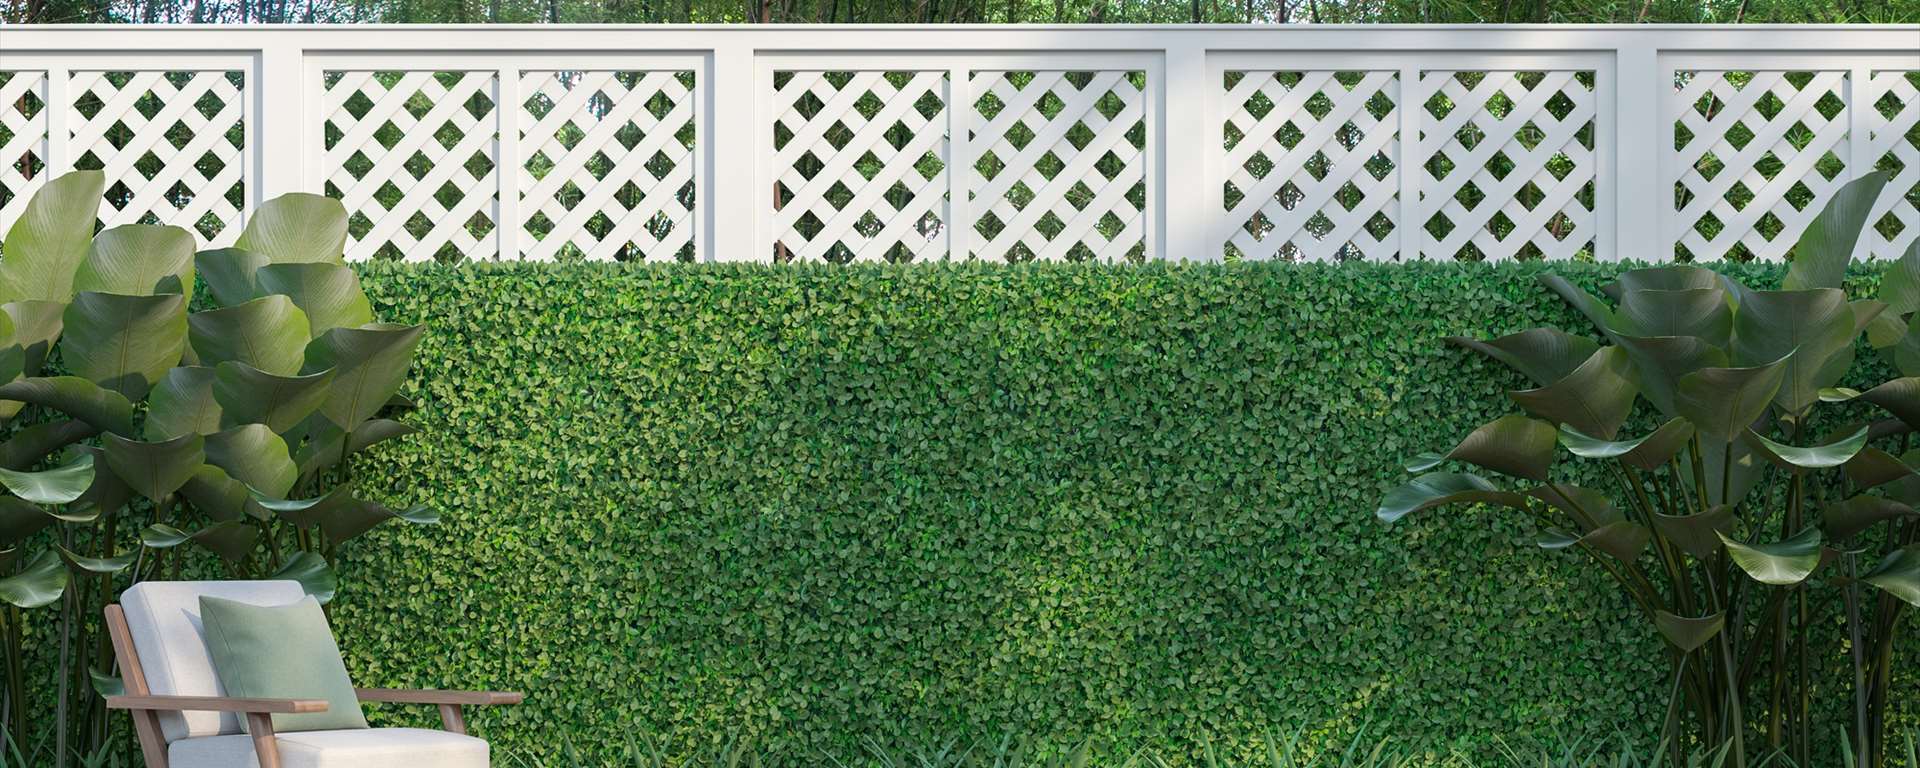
<point>329,294</point>
<point>154,470</point>
<point>41,582</point>
<point>229,273</point>
<point>60,485</point>
<point>254,455</point>
<point>1723,402</point>
<point>1696,534</point>
<point>370,364</point>
<point>1545,355</point>
<point>248,395</point>
<point>1899,574</point>
<point>1778,563</point>
<point>1795,459</point>
<point>1511,445</point>
<point>1647,452</point>
<point>1805,329</point>
<point>183,404</point>
<point>138,260</point>
<point>268,333</point>
<point>103,409</point>
<point>297,227</point>
<point>1844,519</point>
<point>313,573</point>
<point>1825,247</point>
<point>49,240</point>
<point>1687,634</point>
<point>1594,399</point>
<point>1432,490</point>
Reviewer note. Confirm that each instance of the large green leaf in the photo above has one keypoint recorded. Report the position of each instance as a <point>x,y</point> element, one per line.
<point>322,448</point>
<point>155,470</point>
<point>1594,399</point>
<point>297,227</point>
<point>1688,634</point>
<point>220,496</point>
<point>1545,355</point>
<point>36,327</point>
<point>139,260</point>
<point>254,455</point>
<point>60,485</point>
<point>1723,402</point>
<point>183,404</point>
<point>1590,508</point>
<point>1900,397</point>
<point>35,442</point>
<point>124,343</point>
<point>106,495</point>
<point>351,520</point>
<point>1578,298</point>
<point>1778,563</point>
<point>248,395</point>
<point>1796,459</point>
<point>47,243</point>
<point>41,582</point>
<point>1621,540</point>
<point>313,573</point>
<point>1432,490</point>
<point>88,564</point>
<point>1511,445</point>
<point>1873,467</point>
<point>309,512</point>
<point>1697,312</point>
<point>104,409</point>
<point>232,540</point>
<point>268,333</point>
<point>1647,452</point>
<point>1696,534</point>
<point>1844,519</point>
<point>1659,362</point>
<point>20,520</point>
<point>1805,328</point>
<point>1825,247</point>
<point>329,293</point>
<point>1900,283</point>
<point>230,274</point>
<point>1899,574</point>
<point>1674,277</point>
<point>371,363</point>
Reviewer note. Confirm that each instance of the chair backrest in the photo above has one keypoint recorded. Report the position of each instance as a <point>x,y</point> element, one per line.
<point>164,620</point>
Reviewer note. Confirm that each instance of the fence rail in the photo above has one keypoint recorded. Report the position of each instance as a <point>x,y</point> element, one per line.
<point>762,143</point>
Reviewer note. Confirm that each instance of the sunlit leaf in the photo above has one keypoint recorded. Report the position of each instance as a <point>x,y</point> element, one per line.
<point>1778,563</point>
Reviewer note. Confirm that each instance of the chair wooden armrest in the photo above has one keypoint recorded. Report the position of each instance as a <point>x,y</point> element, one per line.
<point>215,704</point>
<point>413,696</point>
<point>449,702</point>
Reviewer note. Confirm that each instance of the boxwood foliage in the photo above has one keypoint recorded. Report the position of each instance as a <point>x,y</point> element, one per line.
<point>813,506</point>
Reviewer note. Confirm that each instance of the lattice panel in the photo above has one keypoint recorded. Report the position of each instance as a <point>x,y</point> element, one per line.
<point>860,163</point>
<point>172,145</point>
<point>607,170</point>
<point>1061,172</point>
<point>23,141</point>
<point>1312,160</point>
<point>1507,165</point>
<point>1757,155</point>
<point>1892,121</point>
<point>412,156</point>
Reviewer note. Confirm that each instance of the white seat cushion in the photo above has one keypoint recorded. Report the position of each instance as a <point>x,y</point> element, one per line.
<point>369,748</point>
<point>164,619</point>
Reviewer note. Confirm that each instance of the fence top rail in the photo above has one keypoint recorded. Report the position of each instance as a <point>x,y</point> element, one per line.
<point>1895,38</point>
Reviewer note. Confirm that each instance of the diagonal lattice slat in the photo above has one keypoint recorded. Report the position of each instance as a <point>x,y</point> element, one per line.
<point>412,156</point>
<point>1062,169</point>
<point>23,140</point>
<point>607,170</point>
<point>1891,111</point>
<point>1508,164</point>
<point>1757,156</point>
<point>860,163</point>
<point>171,144</point>
<point>1311,159</point>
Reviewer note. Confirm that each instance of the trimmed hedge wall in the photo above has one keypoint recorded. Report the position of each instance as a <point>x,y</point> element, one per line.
<point>810,506</point>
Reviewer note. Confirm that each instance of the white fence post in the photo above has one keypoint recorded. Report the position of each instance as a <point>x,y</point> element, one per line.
<point>1640,86</point>
<point>279,134</point>
<point>507,108</point>
<point>1184,146</point>
<point>733,223</point>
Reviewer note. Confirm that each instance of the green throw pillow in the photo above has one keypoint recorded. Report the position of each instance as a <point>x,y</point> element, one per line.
<point>281,652</point>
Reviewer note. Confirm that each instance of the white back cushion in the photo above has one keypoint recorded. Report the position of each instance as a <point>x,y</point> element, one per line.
<point>164,619</point>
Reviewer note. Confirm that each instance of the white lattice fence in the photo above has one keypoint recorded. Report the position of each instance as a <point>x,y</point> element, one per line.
<point>1311,159</point>
<point>23,139</point>
<point>1757,155</point>
<point>170,142</point>
<point>1061,165</point>
<point>607,165</point>
<point>1508,164</point>
<point>412,155</point>
<point>861,165</point>
<point>771,143</point>
<point>1891,106</point>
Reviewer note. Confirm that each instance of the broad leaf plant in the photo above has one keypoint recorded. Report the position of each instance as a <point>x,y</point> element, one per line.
<point>1761,497</point>
<point>160,402</point>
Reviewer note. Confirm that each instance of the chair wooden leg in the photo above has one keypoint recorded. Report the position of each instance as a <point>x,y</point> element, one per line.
<point>452,719</point>
<point>146,724</point>
<point>265,748</point>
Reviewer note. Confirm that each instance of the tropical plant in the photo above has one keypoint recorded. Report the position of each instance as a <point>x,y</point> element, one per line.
<point>1759,499</point>
<point>137,425</point>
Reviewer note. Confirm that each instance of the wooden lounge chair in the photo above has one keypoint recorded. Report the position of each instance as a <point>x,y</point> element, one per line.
<point>184,719</point>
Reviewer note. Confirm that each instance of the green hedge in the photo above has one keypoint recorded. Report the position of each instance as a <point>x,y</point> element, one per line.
<point>814,506</point>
